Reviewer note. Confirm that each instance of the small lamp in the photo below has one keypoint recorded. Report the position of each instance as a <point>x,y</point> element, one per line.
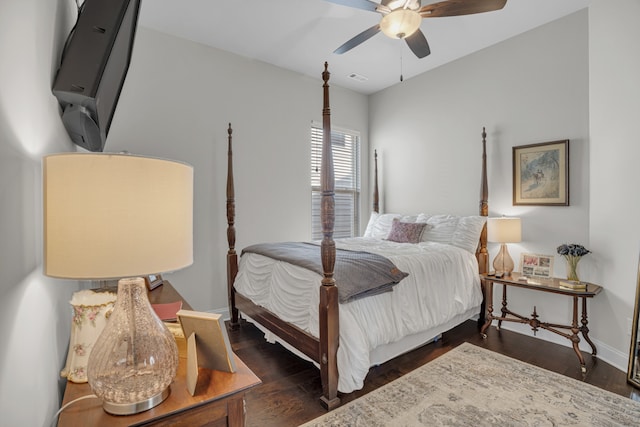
<point>119,216</point>
<point>400,23</point>
<point>504,230</point>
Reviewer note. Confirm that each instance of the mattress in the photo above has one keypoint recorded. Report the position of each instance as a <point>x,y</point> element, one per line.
<point>441,290</point>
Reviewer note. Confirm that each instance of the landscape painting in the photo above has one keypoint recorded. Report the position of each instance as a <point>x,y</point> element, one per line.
<point>541,174</point>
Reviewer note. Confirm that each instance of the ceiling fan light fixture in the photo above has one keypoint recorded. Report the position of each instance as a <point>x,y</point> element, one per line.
<point>400,23</point>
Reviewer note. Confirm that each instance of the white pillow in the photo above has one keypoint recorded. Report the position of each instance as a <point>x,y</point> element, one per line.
<point>441,230</point>
<point>368,232</point>
<point>379,225</point>
<point>467,234</point>
<point>461,231</point>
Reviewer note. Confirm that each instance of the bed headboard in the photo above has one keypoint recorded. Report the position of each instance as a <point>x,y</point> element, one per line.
<point>481,253</point>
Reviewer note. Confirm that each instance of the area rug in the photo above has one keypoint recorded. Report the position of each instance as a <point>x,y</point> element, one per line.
<point>471,386</point>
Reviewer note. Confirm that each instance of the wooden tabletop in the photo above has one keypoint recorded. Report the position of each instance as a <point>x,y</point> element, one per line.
<point>213,385</point>
<point>544,284</point>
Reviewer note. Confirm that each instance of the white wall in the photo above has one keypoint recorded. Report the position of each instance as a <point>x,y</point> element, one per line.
<point>529,89</point>
<point>614,65</point>
<point>34,310</point>
<point>177,102</point>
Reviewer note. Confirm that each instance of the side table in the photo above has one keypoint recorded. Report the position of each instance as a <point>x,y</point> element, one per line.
<point>552,286</point>
<point>219,398</point>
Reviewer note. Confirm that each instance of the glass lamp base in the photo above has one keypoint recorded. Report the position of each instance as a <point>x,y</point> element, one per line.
<point>135,407</point>
<point>503,263</point>
<point>135,358</point>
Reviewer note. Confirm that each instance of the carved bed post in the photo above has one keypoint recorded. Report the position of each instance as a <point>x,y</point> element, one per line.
<point>328,310</point>
<point>232,256</point>
<point>483,255</point>
<point>376,198</point>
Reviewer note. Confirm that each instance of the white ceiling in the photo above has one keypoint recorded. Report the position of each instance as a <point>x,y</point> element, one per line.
<point>300,35</point>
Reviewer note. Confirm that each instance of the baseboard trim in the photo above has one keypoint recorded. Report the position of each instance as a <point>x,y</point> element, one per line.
<point>606,353</point>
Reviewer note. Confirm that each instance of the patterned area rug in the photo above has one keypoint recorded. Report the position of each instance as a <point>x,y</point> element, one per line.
<point>471,386</point>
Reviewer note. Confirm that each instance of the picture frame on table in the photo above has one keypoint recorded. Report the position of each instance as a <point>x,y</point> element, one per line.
<point>153,281</point>
<point>208,344</point>
<point>541,174</point>
<point>536,265</point>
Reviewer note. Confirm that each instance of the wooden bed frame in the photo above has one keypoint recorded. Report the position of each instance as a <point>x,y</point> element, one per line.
<point>322,350</point>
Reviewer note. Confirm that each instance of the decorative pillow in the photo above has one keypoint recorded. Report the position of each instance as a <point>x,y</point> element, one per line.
<point>406,232</point>
<point>379,225</point>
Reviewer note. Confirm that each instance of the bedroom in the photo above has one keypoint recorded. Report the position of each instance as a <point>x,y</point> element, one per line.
<point>575,98</point>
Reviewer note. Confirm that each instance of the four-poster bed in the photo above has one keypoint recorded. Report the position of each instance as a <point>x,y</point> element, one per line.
<point>341,335</point>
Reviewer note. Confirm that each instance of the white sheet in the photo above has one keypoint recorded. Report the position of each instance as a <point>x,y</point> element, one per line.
<point>443,284</point>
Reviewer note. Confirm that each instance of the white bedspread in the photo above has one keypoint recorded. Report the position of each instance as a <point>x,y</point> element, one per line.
<point>443,283</point>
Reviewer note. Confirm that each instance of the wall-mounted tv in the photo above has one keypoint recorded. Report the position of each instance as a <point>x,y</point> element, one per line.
<point>94,65</point>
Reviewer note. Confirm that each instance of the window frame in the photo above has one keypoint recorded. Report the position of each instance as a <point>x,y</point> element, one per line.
<point>350,193</point>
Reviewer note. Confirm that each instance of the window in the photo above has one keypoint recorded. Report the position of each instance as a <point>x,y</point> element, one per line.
<point>346,163</point>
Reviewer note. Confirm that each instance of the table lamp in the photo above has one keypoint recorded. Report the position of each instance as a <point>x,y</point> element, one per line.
<point>119,216</point>
<point>504,230</point>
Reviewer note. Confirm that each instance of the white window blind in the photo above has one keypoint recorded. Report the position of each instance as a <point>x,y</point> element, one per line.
<point>346,162</point>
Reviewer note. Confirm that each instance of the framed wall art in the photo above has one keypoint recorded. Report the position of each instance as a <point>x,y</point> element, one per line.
<point>541,174</point>
<point>535,265</point>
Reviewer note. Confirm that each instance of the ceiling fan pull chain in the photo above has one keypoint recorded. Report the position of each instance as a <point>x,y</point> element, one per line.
<point>401,78</point>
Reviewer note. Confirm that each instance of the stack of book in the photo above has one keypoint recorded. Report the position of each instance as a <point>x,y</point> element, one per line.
<point>573,285</point>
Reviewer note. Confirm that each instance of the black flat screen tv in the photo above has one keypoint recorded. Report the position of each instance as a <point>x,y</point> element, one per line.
<point>93,68</point>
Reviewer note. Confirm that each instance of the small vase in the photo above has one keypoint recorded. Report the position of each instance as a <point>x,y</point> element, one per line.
<point>572,268</point>
<point>91,311</point>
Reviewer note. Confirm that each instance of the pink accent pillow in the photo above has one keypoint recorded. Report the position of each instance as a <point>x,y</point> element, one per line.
<point>406,232</point>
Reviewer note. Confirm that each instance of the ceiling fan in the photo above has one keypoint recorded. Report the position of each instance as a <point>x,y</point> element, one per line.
<point>401,19</point>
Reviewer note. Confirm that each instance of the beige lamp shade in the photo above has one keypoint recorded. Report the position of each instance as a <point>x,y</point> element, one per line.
<point>504,230</point>
<point>116,215</point>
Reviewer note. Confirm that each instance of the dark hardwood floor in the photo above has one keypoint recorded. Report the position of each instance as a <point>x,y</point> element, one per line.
<point>290,389</point>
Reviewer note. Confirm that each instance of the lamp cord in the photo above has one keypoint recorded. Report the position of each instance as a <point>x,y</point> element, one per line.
<point>55,416</point>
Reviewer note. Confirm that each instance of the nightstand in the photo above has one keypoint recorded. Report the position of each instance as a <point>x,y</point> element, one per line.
<point>553,286</point>
<point>219,398</point>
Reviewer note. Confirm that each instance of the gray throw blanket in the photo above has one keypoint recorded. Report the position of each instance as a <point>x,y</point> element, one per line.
<point>357,273</point>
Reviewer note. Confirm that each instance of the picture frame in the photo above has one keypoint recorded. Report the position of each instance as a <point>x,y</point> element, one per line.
<point>541,174</point>
<point>536,265</point>
<point>208,344</point>
<point>153,281</point>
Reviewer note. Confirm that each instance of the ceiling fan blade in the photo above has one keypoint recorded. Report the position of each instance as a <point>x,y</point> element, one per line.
<point>362,37</point>
<point>418,44</point>
<point>358,4</point>
<point>460,7</point>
